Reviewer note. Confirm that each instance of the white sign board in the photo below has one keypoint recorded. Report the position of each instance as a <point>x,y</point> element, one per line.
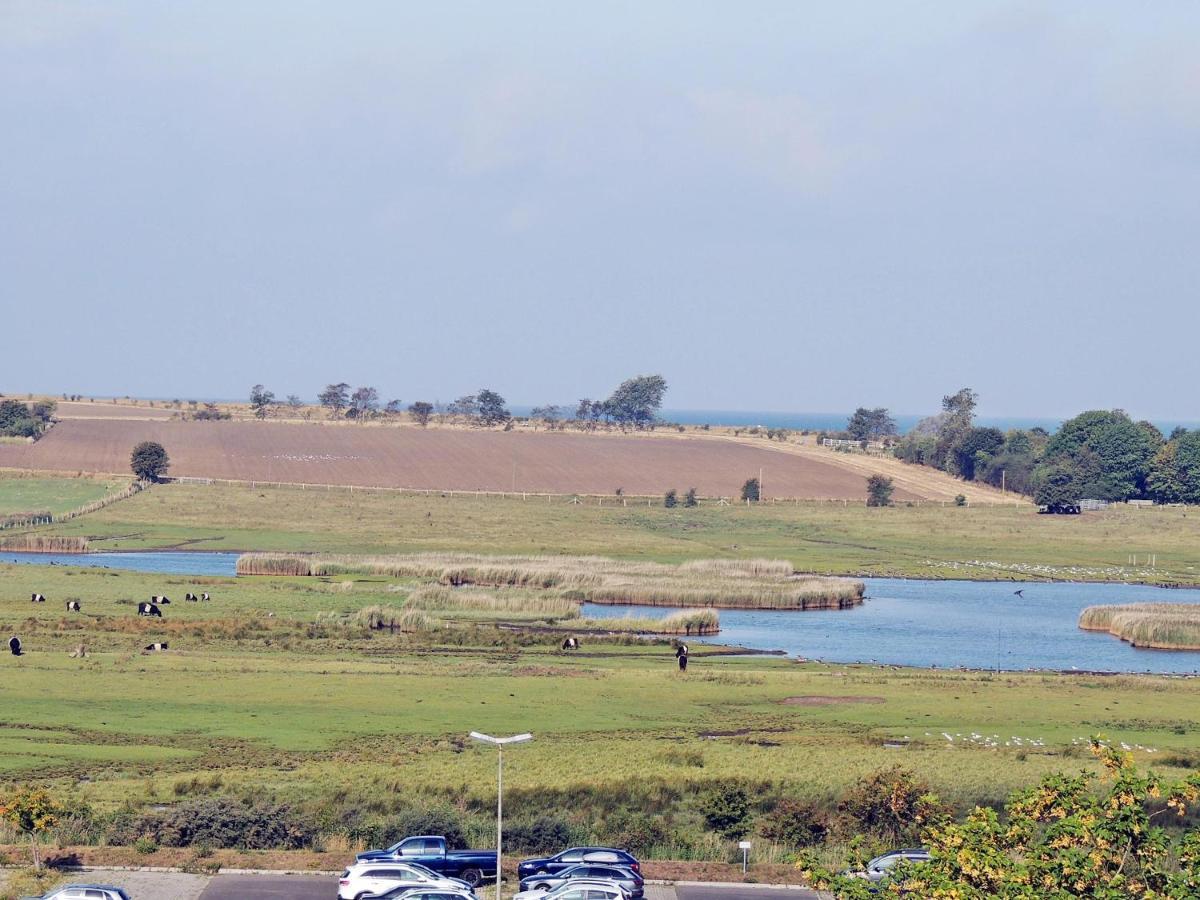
<point>743,845</point>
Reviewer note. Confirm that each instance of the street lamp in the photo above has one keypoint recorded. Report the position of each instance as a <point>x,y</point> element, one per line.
<point>499,744</point>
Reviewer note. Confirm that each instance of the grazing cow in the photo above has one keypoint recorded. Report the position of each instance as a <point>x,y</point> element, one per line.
<point>570,644</point>
<point>14,645</point>
<point>79,652</point>
<point>37,598</point>
<point>205,597</point>
<point>149,609</point>
<point>151,648</point>
<point>156,600</point>
<point>72,606</point>
<point>681,654</point>
<point>189,597</point>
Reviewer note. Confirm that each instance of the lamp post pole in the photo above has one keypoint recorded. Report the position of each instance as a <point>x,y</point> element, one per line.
<point>499,745</point>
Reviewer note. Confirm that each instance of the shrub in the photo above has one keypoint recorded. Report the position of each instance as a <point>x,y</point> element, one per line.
<point>670,499</point>
<point>145,845</point>
<point>545,834</point>
<point>750,490</point>
<point>224,822</point>
<point>795,823</point>
<point>637,832</point>
<point>891,804</point>
<point>726,810</point>
<point>960,500</point>
<point>689,499</point>
<point>434,820</point>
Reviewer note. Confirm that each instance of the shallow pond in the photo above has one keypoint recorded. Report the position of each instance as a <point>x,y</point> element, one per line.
<point>975,624</point>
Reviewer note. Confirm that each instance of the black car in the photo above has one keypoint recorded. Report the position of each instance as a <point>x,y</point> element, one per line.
<point>552,865</point>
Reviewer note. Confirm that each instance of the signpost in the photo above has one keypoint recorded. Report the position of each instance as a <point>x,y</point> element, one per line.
<point>744,846</point>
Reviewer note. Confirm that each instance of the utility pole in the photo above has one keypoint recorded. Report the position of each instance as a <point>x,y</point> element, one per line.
<point>1003,473</point>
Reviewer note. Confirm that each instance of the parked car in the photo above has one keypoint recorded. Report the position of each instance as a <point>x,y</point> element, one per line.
<point>405,892</point>
<point>472,866</point>
<point>879,868</point>
<point>573,857</point>
<point>578,889</point>
<point>84,892</point>
<point>628,879</point>
<point>378,876</point>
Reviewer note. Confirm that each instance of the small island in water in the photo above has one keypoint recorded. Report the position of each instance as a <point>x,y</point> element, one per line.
<point>1157,626</point>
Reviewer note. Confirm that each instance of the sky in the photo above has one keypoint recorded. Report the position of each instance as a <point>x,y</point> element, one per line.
<point>776,205</point>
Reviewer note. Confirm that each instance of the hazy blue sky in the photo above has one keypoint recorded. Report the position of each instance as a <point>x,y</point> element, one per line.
<point>778,205</point>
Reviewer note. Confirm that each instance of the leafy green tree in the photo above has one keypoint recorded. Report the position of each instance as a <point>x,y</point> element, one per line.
<point>149,461</point>
<point>1175,472</point>
<point>689,499</point>
<point>670,499</point>
<point>976,446</point>
<point>466,406</point>
<point>879,490</point>
<point>637,400</point>
<point>548,413</point>
<point>295,404</point>
<point>1110,453</point>
<point>334,398</point>
<point>1069,837</point>
<point>750,490</point>
<point>492,410</point>
<point>11,412</point>
<point>870,424</point>
<point>1057,490</point>
<point>32,811</point>
<point>420,412</point>
<point>260,401</point>
<point>393,407</point>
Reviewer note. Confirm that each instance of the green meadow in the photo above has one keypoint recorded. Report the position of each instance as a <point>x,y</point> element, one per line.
<point>926,541</point>
<point>51,494</point>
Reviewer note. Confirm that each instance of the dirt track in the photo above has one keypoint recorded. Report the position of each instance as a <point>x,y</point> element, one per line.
<point>440,458</point>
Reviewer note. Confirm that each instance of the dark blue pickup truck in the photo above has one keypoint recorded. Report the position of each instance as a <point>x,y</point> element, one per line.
<point>472,866</point>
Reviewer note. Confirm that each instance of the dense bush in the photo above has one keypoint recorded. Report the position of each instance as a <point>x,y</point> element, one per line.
<point>545,834</point>
<point>433,820</point>
<point>636,832</point>
<point>726,810</point>
<point>219,822</point>
<point>891,804</point>
<point>795,823</point>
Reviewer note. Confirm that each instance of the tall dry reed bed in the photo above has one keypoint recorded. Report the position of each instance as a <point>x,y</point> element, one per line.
<point>722,583</point>
<point>44,543</point>
<point>1159,626</point>
<point>685,622</point>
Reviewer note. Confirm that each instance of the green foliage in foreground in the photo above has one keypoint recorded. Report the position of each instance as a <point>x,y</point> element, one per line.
<point>1067,837</point>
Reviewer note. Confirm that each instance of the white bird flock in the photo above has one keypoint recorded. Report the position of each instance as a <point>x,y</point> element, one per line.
<point>995,742</point>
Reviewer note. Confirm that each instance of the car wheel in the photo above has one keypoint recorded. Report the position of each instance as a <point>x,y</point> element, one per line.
<point>473,877</point>
<point>541,887</point>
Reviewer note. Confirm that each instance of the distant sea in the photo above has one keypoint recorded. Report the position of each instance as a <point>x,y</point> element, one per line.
<point>833,421</point>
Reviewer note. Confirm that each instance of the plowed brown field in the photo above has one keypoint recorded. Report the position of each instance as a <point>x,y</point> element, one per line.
<point>448,459</point>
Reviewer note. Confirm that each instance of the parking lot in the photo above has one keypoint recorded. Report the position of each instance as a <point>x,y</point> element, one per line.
<point>178,886</point>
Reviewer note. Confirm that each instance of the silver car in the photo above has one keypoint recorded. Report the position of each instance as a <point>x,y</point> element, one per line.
<point>881,866</point>
<point>578,889</point>
<point>84,892</point>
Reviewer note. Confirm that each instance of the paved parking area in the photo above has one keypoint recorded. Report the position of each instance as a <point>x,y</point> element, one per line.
<point>177,886</point>
<point>270,887</point>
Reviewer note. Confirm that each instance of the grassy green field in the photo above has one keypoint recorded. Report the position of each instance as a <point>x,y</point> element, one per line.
<point>55,495</point>
<point>936,542</point>
<point>257,689</point>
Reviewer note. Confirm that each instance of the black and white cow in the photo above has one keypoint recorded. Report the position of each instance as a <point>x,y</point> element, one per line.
<point>205,597</point>
<point>37,598</point>
<point>158,599</point>
<point>189,597</point>
<point>14,645</point>
<point>72,606</point>
<point>149,609</point>
<point>152,648</point>
<point>570,644</point>
<point>681,654</point>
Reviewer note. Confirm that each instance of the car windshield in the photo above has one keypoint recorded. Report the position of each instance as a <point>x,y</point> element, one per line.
<point>429,873</point>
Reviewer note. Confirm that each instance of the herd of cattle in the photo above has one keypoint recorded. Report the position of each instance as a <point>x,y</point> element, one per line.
<point>152,609</point>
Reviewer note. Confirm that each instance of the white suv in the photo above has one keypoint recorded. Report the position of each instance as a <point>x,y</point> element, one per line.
<point>363,878</point>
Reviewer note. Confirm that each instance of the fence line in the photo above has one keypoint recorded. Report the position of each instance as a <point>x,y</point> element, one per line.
<point>623,500</point>
<point>46,518</point>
